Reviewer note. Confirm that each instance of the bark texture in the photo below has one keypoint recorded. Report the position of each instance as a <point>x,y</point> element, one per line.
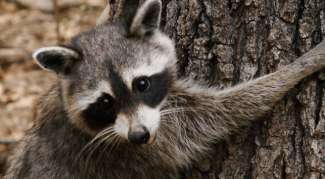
<point>225,42</point>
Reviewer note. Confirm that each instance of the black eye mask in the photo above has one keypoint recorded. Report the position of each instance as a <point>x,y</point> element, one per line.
<point>101,113</point>
<point>159,84</point>
<point>153,96</point>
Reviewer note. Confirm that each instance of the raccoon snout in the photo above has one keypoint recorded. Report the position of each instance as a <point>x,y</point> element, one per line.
<point>139,135</point>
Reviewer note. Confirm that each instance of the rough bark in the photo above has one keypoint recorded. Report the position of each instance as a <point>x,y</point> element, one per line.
<point>227,42</point>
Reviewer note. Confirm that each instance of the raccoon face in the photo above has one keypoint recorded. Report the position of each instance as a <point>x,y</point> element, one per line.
<point>116,77</point>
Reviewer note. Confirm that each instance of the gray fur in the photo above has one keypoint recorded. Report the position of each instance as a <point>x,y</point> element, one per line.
<point>193,116</point>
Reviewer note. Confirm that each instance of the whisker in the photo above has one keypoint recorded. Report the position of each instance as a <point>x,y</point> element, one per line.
<point>100,142</point>
<point>108,142</point>
<point>115,144</point>
<point>175,110</point>
<point>87,147</point>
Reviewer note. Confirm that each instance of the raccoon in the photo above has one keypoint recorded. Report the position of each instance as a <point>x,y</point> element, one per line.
<point>118,109</point>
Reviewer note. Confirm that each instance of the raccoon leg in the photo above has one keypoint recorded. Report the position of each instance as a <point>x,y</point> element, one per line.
<point>200,115</point>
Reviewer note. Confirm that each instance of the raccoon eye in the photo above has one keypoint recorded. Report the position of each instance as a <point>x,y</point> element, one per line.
<point>141,84</point>
<point>101,113</point>
<point>105,101</point>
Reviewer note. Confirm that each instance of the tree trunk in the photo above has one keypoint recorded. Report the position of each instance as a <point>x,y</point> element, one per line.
<point>225,42</point>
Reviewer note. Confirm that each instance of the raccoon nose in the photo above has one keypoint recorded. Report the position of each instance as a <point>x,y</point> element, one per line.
<point>139,135</point>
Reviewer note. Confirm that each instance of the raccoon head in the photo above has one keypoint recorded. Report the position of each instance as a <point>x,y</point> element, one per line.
<point>116,76</point>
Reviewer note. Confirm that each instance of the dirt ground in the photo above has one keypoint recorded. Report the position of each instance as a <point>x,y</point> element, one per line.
<point>23,28</point>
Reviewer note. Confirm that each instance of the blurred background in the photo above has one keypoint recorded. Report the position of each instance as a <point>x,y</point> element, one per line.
<point>26,25</point>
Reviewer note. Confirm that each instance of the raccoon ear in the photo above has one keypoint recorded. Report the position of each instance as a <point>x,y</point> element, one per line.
<point>105,15</point>
<point>147,18</point>
<point>126,15</point>
<point>57,59</point>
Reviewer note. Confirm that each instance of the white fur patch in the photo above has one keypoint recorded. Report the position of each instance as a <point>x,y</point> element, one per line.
<point>145,116</point>
<point>165,42</point>
<point>158,65</point>
<point>121,126</point>
<point>149,117</point>
<point>91,96</point>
